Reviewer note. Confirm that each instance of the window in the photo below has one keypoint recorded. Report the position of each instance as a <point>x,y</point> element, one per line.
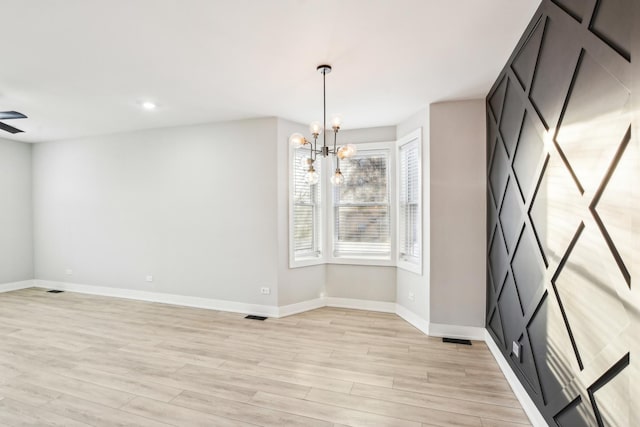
<point>409,203</point>
<point>305,212</point>
<point>361,214</point>
<point>354,223</point>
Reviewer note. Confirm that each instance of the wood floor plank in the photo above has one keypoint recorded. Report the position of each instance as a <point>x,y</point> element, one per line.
<point>286,375</point>
<point>75,360</point>
<point>420,385</point>
<point>243,411</point>
<point>94,414</point>
<point>17,414</point>
<point>251,382</point>
<point>344,374</point>
<point>30,394</point>
<point>401,410</point>
<point>459,406</point>
<point>198,383</point>
<point>126,383</point>
<point>177,415</point>
<point>488,422</point>
<point>77,388</point>
<point>335,414</point>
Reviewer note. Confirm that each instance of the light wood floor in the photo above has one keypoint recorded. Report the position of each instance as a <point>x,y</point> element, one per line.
<point>75,360</point>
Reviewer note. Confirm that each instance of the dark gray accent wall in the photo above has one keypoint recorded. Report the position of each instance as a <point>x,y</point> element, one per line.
<point>563,212</point>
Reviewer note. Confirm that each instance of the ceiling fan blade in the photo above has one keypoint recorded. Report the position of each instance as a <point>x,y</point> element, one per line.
<point>6,115</point>
<point>9,129</point>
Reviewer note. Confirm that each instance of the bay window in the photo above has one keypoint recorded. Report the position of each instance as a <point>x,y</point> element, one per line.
<point>373,218</point>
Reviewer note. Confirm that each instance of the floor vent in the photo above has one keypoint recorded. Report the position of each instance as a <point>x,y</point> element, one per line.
<point>55,291</point>
<point>252,317</point>
<point>456,341</point>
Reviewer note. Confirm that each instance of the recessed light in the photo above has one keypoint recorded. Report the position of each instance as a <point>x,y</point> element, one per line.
<point>148,105</point>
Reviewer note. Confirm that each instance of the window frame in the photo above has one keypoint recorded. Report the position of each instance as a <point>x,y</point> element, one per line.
<point>412,264</point>
<point>331,258</point>
<point>311,259</point>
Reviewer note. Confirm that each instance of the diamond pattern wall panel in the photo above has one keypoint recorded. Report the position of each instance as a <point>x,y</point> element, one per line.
<point>511,118</point>
<point>499,173</point>
<point>563,226</point>
<point>575,8</point>
<point>527,157</point>
<point>510,216</point>
<point>612,22</point>
<point>557,58</point>
<point>524,64</point>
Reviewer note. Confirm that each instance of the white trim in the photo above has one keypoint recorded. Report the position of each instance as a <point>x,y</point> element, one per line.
<point>414,267</point>
<point>456,331</point>
<point>413,319</point>
<point>187,301</point>
<point>380,262</point>
<point>536,418</point>
<point>303,261</point>
<point>361,304</point>
<point>213,304</point>
<point>301,307</point>
<point>16,286</point>
<point>329,236</point>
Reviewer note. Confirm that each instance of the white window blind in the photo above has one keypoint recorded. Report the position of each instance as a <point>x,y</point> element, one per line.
<point>409,201</point>
<point>361,207</point>
<point>306,209</point>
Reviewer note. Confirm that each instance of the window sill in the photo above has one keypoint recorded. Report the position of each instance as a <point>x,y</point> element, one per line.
<point>410,266</point>
<point>372,261</point>
<point>306,262</point>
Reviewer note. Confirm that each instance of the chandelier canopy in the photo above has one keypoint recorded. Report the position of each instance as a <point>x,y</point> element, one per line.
<point>298,140</point>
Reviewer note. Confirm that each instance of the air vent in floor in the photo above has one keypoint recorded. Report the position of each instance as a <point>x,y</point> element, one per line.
<point>252,317</point>
<point>456,341</point>
<point>55,291</point>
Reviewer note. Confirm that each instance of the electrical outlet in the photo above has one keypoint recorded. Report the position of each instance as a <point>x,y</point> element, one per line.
<point>149,278</point>
<point>265,291</point>
<point>412,296</point>
<point>515,349</point>
<point>68,272</point>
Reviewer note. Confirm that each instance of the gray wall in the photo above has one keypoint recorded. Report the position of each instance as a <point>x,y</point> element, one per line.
<point>357,281</point>
<point>361,282</point>
<point>294,284</point>
<point>194,206</point>
<point>204,209</point>
<point>457,215</point>
<point>407,281</point>
<point>563,209</point>
<point>16,241</point>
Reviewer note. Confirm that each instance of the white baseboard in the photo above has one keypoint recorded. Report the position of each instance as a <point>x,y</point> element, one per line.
<point>413,319</point>
<point>16,286</point>
<point>300,307</point>
<point>361,304</point>
<point>187,301</point>
<point>536,418</point>
<point>214,304</point>
<point>456,331</point>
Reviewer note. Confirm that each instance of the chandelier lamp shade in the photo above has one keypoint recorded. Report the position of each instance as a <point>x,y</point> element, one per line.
<point>298,140</point>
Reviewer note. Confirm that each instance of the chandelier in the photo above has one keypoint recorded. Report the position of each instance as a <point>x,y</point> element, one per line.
<point>298,140</point>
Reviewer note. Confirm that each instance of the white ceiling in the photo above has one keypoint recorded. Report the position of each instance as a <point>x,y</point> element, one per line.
<point>79,67</point>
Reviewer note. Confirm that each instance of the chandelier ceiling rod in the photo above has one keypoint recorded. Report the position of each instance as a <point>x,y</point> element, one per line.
<point>324,105</point>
